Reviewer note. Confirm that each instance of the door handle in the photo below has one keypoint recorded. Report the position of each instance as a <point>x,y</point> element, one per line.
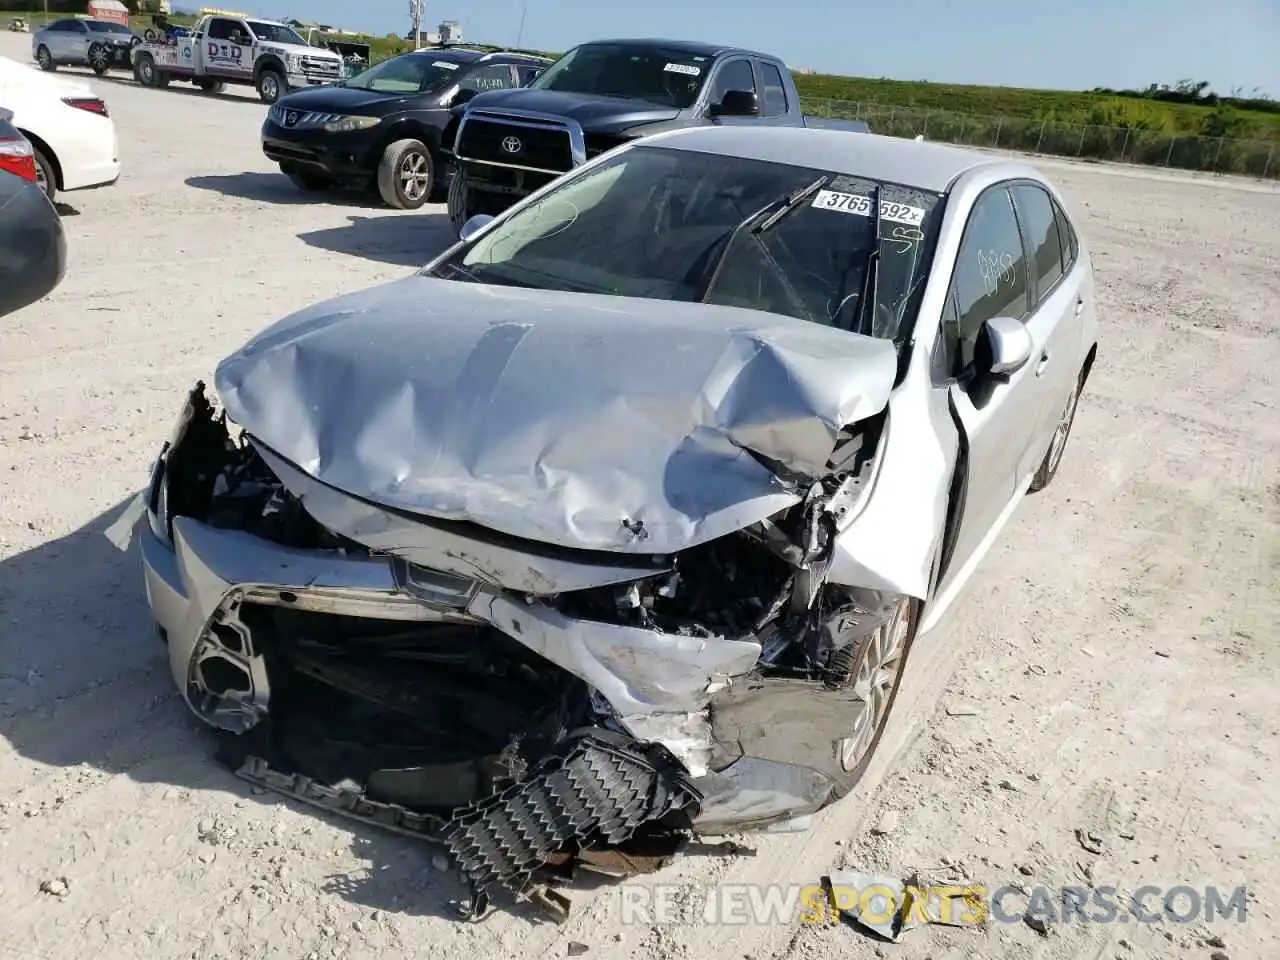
<point>1044,362</point>
<point>1079,306</point>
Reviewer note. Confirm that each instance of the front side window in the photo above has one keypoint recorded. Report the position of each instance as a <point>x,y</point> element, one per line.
<point>410,73</point>
<point>734,75</point>
<point>276,33</point>
<point>490,76</point>
<point>1036,210</point>
<point>990,277</point>
<point>635,71</point>
<point>680,225</point>
<point>220,29</point>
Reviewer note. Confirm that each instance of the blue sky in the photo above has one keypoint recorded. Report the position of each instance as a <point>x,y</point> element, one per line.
<point>1059,44</point>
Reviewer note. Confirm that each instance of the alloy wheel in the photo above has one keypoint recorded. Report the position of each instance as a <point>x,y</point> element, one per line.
<point>1059,442</point>
<point>873,677</point>
<point>415,176</point>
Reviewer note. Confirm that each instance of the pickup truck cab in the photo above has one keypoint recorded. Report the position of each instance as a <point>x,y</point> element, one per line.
<point>507,144</point>
<point>226,47</point>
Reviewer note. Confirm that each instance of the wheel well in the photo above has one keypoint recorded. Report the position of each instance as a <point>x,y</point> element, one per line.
<point>408,130</point>
<point>268,63</point>
<point>1088,364</point>
<point>48,155</point>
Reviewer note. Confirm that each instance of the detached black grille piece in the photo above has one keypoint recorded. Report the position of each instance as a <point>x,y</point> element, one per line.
<point>492,141</point>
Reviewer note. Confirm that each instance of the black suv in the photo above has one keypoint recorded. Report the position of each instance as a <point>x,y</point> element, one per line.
<point>383,126</point>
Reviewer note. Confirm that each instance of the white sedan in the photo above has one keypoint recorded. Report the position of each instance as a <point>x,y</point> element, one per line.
<point>68,125</point>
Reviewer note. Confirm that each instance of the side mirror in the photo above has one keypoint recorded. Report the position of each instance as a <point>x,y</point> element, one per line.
<point>474,225</point>
<point>33,247</point>
<point>737,103</point>
<point>462,96</point>
<point>1009,345</point>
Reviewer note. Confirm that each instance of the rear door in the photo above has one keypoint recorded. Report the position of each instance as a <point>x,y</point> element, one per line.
<point>998,416</point>
<point>774,102</point>
<point>1054,323</point>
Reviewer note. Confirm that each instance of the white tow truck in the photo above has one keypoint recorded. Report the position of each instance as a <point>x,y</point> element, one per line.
<point>227,47</point>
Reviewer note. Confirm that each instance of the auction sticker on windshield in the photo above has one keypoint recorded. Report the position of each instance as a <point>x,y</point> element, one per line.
<point>860,206</point>
<point>682,68</point>
<point>444,64</point>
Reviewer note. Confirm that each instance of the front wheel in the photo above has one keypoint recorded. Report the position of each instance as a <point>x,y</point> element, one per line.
<point>144,70</point>
<point>405,174</point>
<point>271,86</point>
<point>99,59</point>
<point>873,671</point>
<point>459,200</point>
<point>45,59</point>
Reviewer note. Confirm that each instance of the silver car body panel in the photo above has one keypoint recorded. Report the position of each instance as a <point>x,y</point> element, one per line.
<point>447,419</point>
<point>581,421</point>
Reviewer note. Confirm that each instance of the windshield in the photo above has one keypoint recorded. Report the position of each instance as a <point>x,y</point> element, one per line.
<point>276,33</point>
<point>637,72</point>
<point>669,224</point>
<point>100,26</point>
<point>412,73</point>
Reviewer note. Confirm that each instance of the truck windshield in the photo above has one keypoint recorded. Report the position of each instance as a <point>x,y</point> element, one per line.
<point>634,71</point>
<point>276,33</point>
<point>410,73</point>
<point>667,224</point>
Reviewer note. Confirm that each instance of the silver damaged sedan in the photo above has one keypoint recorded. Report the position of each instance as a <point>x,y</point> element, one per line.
<point>616,523</point>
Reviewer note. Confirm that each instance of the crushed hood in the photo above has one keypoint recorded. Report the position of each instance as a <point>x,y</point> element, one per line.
<point>577,420</point>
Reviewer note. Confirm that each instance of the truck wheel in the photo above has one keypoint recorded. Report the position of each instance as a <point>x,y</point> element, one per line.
<point>144,70</point>
<point>45,59</point>
<point>271,86</point>
<point>405,173</point>
<point>305,179</point>
<point>209,85</point>
<point>99,59</point>
<point>458,201</point>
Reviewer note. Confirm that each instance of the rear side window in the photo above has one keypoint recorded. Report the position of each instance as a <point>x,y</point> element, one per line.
<point>1039,223</point>
<point>775,91</point>
<point>1067,234</point>
<point>734,75</point>
<point>490,76</point>
<point>991,272</point>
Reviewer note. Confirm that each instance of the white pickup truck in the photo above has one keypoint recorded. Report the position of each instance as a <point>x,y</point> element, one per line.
<point>226,47</point>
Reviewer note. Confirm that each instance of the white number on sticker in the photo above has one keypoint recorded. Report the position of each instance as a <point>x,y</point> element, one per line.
<point>444,64</point>
<point>860,206</point>
<point>683,68</point>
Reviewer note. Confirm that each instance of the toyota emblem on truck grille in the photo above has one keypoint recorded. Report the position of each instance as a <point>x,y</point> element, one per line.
<point>511,144</point>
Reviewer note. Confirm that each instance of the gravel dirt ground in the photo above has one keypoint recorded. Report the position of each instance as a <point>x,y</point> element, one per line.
<point>1111,670</point>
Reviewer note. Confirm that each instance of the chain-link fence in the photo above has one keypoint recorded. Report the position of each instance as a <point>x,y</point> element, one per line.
<point>1124,144</point>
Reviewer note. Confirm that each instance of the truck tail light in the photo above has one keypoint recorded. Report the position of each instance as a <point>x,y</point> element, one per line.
<point>92,104</point>
<point>17,157</point>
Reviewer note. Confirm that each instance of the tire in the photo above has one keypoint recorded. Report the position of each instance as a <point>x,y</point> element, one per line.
<point>459,208</point>
<point>907,621</point>
<point>99,59</point>
<point>1053,456</point>
<point>271,86</point>
<point>46,175</point>
<point>45,59</point>
<point>406,173</point>
<point>305,179</point>
<point>144,71</point>
<point>211,86</point>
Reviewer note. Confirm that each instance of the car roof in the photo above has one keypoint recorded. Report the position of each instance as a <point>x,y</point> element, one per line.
<point>696,48</point>
<point>921,164</point>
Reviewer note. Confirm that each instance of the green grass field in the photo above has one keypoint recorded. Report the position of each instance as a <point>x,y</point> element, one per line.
<point>1071,123</point>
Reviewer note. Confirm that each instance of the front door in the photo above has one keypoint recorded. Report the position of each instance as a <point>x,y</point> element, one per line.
<point>998,415</point>
<point>227,49</point>
<point>732,74</point>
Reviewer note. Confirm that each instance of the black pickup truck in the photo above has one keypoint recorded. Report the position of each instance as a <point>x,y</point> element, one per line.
<point>508,143</point>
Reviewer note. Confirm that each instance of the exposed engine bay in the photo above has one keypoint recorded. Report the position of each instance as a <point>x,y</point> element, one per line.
<point>527,730</point>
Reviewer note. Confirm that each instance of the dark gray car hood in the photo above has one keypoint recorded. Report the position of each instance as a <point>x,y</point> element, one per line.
<point>564,418</point>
